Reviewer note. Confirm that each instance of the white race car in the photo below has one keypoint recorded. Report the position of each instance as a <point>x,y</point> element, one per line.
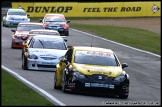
<point>15,16</point>
<point>43,52</point>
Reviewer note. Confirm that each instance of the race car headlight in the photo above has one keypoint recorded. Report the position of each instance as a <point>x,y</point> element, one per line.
<point>25,19</point>
<point>10,18</point>
<point>33,56</point>
<point>17,36</point>
<point>48,27</point>
<point>78,74</point>
<point>120,78</point>
<point>28,20</point>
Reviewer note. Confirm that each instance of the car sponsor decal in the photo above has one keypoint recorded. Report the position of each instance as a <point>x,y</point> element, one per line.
<point>96,53</point>
<point>99,85</point>
<point>48,55</point>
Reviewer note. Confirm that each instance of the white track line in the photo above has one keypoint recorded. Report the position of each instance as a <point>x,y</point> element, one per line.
<point>33,86</point>
<point>116,43</point>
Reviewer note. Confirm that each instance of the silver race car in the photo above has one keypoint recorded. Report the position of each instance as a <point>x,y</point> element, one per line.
<point>43,52</point>
<point>15,16</point>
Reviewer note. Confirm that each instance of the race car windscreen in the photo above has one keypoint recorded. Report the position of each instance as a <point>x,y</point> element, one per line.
<point>17,13</point>
<point>95,58</point>
<point>50,18</point>
<point>49,43</point>
<point>28,27</point>
<point>44,33</point>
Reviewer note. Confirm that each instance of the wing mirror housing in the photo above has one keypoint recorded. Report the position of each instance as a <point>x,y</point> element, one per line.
<point>24,38</point>
<point>65,61</point>
<point>25,45</point>
<point>124,65</point>
<point>68,21</point>
<point>65,40</point>
<point>40,20</point>
<point>13,30</point>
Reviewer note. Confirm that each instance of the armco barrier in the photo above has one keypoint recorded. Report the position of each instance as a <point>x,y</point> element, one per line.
<point>96,9</point>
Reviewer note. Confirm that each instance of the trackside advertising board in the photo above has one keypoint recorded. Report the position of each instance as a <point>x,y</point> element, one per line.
<point>96,9</point>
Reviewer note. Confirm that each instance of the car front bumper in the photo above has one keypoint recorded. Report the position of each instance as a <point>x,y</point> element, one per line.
<point>99,86</point>
<point>16,43</point>
<point>13,23</point>
<point>41,65</point>
<point>61,30</point>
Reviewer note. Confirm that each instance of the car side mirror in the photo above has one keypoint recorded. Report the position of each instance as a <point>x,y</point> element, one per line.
<point>24,38</point>
<point>65,40</point>
<point>124,65</point>
<point>40,20</point>
<point>65,61</point>
<point>25,45</point>
<point>13,30</point>
<point>68,21</point>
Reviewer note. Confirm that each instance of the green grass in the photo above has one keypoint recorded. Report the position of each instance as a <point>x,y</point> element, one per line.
<point>138,38</point>
<point>135,37</point>
<point>15,93</point>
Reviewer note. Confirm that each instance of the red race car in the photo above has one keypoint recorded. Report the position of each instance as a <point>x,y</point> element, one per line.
<point>22,31</point>
<point>56,22</point>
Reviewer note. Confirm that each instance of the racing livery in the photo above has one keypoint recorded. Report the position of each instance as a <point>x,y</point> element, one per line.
<point>44,32</point>
<point>92,69</point>
<point>14,17</point>
<point>43,52</point>
<point>56,22</point>
<point>22,31</point>
<point>39,32</point>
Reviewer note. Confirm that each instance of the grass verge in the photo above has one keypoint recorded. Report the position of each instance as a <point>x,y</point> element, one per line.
<point>15,93</point>
<point>135,37</point>
<point>138,38</point>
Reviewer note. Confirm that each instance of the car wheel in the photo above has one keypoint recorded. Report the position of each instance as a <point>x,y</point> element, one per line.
<point>12,46</point>
<point>67,33</point>
<point>123,96</point>
<point>55,82</point>
<point>24,63</point>
<point>63,84</point>
<point>22,53</point>
<point>3,24</point>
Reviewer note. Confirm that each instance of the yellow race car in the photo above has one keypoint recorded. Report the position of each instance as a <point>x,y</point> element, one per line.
<point>91,69</point>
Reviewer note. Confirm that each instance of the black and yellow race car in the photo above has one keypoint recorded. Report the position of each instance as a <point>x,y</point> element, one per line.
<point>92,69</point>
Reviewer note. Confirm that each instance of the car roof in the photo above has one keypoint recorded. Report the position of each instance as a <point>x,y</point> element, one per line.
<point>45,30</point>
<point>16,10</point>
<point>30,23</point>
<point>56,14</point>
<point>87,48</point>
<point>47,36</point>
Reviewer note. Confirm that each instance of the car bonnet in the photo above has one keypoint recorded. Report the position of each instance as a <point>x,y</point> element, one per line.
<point>47,52</point>
<point>86,69</point>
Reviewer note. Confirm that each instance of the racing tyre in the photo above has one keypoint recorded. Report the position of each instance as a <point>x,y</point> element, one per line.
<point>3,24</point>
<point>123,96</point>
<point>63,84</point>
<point>55,80</point>
<point>24,63</point>
<point>12,46</point>
<point>67,33</point>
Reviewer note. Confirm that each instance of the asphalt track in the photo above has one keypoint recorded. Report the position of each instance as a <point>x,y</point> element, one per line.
<point>144,71</point>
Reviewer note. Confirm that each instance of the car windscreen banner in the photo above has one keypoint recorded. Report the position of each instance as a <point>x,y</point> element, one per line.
<point>96,9</point>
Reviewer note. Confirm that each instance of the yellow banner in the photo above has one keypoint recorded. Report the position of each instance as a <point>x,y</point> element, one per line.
<point>97,9</point>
